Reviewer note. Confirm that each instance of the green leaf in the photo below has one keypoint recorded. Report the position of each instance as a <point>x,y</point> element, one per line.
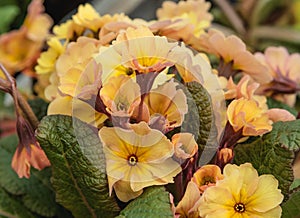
<point>8,14</point>
<point>154,202</point>
<point>287,134</point>
<point>272,103</point>
<point>11,207</point>
<point>291,208</point>
<point>295,184</point>
<point>39,107</point>
<point>78,166</point>
<point>268,156</point>
<point>199,120</point>
<point>36,193</point>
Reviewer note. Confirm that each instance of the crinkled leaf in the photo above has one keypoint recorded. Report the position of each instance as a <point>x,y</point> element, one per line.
<point>11,207</point>
<point>291,208</point>
<point>80,186</point>
<point>199,120</point>
<point>154,202</point>
<point>268,156</point>
<point>287,134</point>
<point>35,193</point>
<point>8,14</point>
<point>272,103</point>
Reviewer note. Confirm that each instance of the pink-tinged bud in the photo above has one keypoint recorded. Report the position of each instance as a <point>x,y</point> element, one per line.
<point>28,153</point>
<point>225,155</point>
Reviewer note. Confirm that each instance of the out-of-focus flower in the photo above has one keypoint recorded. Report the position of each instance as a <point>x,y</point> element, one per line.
<point>185,145</point>
<point>47,60</point>
<point>71,64</point>
<point>242,193</point>
<point>185,21</point>
<point>28,153</point>
<point>284,70</point>
<point>207,176</point>
<point>233,56</point>
<point>137,158</point>
<point>224,156</point>
<point>188,206</point>
<point>19,49</point>
<point>244,89</point>
<point>246,115</point>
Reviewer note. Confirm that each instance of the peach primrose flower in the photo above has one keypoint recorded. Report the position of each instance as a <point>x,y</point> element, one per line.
<point>242,193</point>
<point>185,145</point>
<point>28,153</point>
<point>184,21</point>
<point>19,49</point>
<point>137,158</point>
<point>120,95</point>
<point>246,115</point>
<point>167,103</point>
<point>234,56</point>
<point>284,69</point>
<point>207,176</point>
<point>244,89</point>
<point>188,206</point>
<point>136,51</point>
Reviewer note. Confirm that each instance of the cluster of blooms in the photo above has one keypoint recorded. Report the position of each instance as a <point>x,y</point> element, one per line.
<point>128,78</point>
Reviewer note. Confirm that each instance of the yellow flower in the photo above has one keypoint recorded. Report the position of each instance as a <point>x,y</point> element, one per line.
<point>188,206</point>
<point>167,102</point>
<point>184,21</point>
<point>136,50</point>
<point>71,64</point>
<point>137,158</point>
<point>232,52</point>
<point>284,70</point>
<point>120,95</point>
<point>207,176</point>
<point>68,30</point>
<point>47,59</point>
<point>242,193</point>
<point>244,89</point>
<point>67,105</point>
<point>87,17</point>
<point>246,114</point>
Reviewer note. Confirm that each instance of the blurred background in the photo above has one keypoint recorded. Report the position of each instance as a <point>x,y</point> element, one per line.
<point>260,23</point>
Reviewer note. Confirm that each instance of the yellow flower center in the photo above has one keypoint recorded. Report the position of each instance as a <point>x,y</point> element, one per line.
<point>132,160</point>
<point>239,207</point>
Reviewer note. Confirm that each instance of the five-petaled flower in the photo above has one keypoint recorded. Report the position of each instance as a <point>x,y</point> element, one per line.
<point>242,193</point>
<point>137,158</point>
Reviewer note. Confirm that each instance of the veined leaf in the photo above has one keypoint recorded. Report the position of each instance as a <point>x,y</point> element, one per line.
<point>153,203</point>
<point>269,154</point>
<point>80,185</point>
<point>291,208</point>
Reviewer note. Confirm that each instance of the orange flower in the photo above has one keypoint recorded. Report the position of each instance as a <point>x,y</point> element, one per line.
<point>284,70</point>
<point>233,56</point>
<point>19,49</point>
<point>185,20</point>
<point>207,176</point>
<point>28,153</point>
<point>246,114</point>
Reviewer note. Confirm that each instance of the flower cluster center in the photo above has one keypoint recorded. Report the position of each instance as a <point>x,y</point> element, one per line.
<point>239,207</point>
<point>132,160</point>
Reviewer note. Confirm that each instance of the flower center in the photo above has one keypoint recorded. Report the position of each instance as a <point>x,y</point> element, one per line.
<point>132,160</point>
<point>239,207</point>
